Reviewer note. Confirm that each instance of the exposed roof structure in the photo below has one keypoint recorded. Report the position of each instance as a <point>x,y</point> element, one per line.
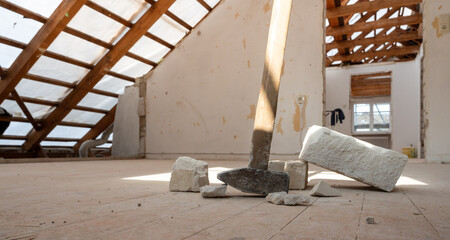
<point>363,31</point>
<point>64,63</point>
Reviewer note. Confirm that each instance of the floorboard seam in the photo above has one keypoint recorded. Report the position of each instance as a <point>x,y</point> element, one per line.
<point>126,229</point>
<point>360,215</point>
<point>222,221</point>
<point>281,229</point>
<point>423,215</point>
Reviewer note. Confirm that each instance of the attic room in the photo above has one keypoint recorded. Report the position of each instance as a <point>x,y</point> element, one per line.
<point>224,119</point>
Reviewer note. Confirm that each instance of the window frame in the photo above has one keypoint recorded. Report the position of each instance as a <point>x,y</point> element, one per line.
<point>371,102</point>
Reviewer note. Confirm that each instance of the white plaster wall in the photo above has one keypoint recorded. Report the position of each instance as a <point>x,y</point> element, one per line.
<point>126,124</point>
<point>405,99</point>
<point>201,99</point>
<point>436,78</point>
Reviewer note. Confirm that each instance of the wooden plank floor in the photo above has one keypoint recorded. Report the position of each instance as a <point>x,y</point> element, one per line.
<point>129,199</point>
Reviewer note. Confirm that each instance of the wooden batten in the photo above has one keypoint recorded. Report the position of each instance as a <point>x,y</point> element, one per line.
<point>371,85</point>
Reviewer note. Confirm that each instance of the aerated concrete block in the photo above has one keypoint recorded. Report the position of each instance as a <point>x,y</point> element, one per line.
<point>212,191</point>
<point>298,173</point>
<point>276,166</point>
<point>188,175</point>
<point>362,161</point>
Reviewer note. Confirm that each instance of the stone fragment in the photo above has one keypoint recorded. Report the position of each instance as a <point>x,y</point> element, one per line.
<point>296,199</point>
<point>298,174</point>
<point>276,166</point>
<point>322,189</point>
<point>370,220</point>
<point>362,161</point>
<point>213,191</point>
<point>252,180</point>
<point>276,197</point>
<point>188,175</point>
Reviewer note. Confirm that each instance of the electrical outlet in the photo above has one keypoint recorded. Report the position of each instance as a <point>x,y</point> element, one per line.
<point>444,23</point>
<point>301,99</point>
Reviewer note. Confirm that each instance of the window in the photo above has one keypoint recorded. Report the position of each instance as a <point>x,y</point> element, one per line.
<point>371,117</point>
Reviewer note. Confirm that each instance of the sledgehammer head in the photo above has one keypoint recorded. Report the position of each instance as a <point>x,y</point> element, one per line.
<point>252,180</point>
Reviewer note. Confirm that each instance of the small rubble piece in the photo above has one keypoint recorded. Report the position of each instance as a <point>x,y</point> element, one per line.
<point>276,198</point>
<point>276,166</point>
<point>213,191</point>
<point>188,175</point>
<point>279,198</point>
<point>298,173</point>
<point>362,161</point>
<point>370,220</point>
<point>296,199</point>
<point>253,180</point>
<point>322,189</point>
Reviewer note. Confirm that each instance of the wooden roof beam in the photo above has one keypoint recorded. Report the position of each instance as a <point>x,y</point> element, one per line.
<point>393,37</point>
<point>40,42</point>
<point>29,14</point>
<point>368,6</point>
<point>60,83</point>
<point>56,104</point>
<point>69,124</point>
<point>125,22</point>
<point>382,23</point>
<point>390,52</point>
<point>96,74</point>
<point>69,60</point>
<point>173,16</point>
<point>99,128</point>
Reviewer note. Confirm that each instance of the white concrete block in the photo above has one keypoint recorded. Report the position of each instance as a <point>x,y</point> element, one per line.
<point>298,174</point>
<point>213,191</point>
<point>276,198</point>
<point>322,189</point>
<point>276,166</point>
<point>188,175</point>
<point>353,158</point>
<point>296,199</point>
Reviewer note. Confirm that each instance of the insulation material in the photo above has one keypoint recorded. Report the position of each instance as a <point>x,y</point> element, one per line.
<point>12,107</point>
<point>18,129</point>
<point>8,55</point>
<point>51,68</point>
<point>168,30</point>
<point>77,48</point>
<point>54,143</point>
<point>131,67</point>
<point>72,132</point>
<point>38,111</point>
<point>98,101</point>
<point>28,88</point>
<point>78,116</point>
<point>11,142</point>
<point>15,26</point>
<point>112,84</point>
<point>149,49</point>
<point>189,11</point>
<point>96,24</point>
<point>41,7</point>
<point>130,10</point>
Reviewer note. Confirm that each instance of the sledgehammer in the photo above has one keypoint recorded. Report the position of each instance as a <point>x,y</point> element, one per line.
<point>256,178</point>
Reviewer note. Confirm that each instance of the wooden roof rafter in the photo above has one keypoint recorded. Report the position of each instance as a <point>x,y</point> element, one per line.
<point>367,23</point>
<point>40,42</point>
<point>97,73</point>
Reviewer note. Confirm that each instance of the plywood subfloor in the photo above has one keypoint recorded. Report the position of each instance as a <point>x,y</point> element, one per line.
<point>129,199</point>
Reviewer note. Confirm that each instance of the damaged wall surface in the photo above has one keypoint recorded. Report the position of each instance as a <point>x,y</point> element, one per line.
<point>405,99</point>
<point>436,77</point>
<point>202,99</point>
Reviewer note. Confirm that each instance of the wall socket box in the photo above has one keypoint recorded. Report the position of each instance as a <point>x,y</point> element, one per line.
<point>444,23</point>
